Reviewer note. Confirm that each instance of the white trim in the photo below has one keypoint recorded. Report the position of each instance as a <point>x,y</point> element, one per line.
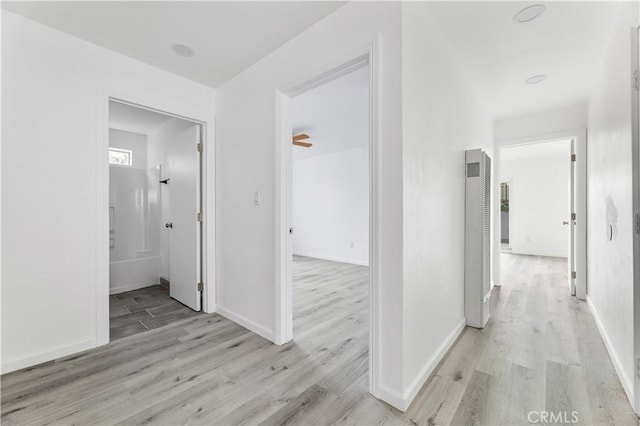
<point>246,323</point>
<point>626,381</point>
<point>412,390</point>
<point>208,132</point>
<point>580,136</point>
<point>334,258</point>
<point>375,208</point>
<point>403,401</point>
<point>635,149</point>
<point>207,126</point>
<point>283,322</point>
<point>392,398</point>
<point>62,351</point>
<point>283,307</point>
<point>128,287</point>
<point>102,220</point>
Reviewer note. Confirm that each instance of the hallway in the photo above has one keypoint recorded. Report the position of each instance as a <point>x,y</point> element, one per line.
<point>541,351</point>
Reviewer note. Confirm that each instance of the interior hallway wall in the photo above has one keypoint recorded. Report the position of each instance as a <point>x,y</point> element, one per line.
<point>246,163</point>
<point>540,123</point>
<point>610,267</point>
<point>53,84</point>
<point>442,117</point>
<point>538,203</point>
<point>331,206</point>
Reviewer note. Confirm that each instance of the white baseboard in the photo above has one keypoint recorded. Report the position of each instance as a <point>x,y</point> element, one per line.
<point>59,352</point>
<point>212,309</point>
<point>334,259</point>
<point>393,398</point>
<point>404,400</point>
<point>128,287</point>
<point>421,378</point>
<point>627,383</point>
<point>246,323</point>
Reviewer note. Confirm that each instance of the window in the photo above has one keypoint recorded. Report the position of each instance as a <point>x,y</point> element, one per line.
<point>120,157</point>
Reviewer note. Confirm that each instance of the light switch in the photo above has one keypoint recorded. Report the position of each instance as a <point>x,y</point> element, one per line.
<point>256,198</point>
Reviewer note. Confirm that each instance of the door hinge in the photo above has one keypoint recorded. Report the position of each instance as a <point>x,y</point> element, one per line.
<point>199,217</point>
<point>200,287</point>
<point>637,367</point>
<point>573,157</point>
<point>573,216</point>
<point>199,147</point>
<point>636,80</point>
<point>573,275</point>
<point>637,223</point>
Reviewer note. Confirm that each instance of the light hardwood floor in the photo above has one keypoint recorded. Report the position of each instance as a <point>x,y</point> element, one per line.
<point>540,351</point>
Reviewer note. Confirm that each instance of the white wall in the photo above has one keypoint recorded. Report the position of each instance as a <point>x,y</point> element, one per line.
<point>442,118</point>
<point>538,203</point>
<point>541,123</point>
<point>331,206</point>
<point>53,87</point>
<point>134,142</point>
<point>158,154</point>
<point>246,153</point>
<point>610,269</point>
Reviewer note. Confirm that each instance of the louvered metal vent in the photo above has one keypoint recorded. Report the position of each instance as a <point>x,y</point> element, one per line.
<point>477,238</point>
<point>486,281</point>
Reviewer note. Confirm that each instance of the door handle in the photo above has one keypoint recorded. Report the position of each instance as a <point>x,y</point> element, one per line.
<point>168,225</point>
<point>565,222</point>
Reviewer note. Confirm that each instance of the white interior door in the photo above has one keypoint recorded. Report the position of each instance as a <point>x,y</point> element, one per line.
<point>571,220</point>
<point>184,226</point>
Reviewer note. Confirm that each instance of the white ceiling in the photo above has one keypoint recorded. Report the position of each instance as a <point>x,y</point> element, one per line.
<point>537,150</point>
<point>334,115</point>
<point>226,36</point>
<point>135,120</point>
<point>567,43</point>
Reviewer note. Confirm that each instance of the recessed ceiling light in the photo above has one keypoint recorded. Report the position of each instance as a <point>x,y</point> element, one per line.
<point>535,79</point>
<point>529,13</point>
<point>182,50</point>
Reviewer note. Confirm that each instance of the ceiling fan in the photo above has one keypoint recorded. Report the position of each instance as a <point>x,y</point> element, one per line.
<point>298,140</point>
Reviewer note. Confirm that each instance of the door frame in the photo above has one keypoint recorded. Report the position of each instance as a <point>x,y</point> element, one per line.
<point>635,148</point>
<point>580,137</point>
<point>207,198</point>
<point>283,315</point>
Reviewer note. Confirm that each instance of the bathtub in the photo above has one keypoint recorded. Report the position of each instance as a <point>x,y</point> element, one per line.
<point>130,271</point>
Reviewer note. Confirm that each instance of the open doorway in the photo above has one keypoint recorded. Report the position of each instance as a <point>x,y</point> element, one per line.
<point>355,246</point>
<point>154,219</point>
<point>330,213</point>
<point>537,206</point>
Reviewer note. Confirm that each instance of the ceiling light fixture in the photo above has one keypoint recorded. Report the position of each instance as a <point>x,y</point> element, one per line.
<point>535,79</point>
<point>529,13</point>
<point>182,50</point>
